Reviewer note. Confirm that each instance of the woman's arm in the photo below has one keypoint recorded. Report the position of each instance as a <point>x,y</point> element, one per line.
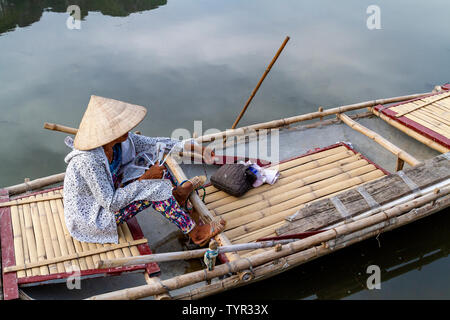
<point>96,177</point>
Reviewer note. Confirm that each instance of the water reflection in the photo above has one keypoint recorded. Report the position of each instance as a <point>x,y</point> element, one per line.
<point>19,13</point>
<point>200,60</point>
<point>401,253</point>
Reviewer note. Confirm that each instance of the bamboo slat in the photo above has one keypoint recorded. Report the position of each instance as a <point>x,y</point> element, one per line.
<point>60,231</point>
<point>424,118</point>
<point>426,124</point>
<point>45,228</point>
<point>82,261</point>
<point>18,239</point>
<point>125,251</point>
<point>40,246</point>
<point>260,233</point>
<point>53,236</point>
<point>427,117</point>
<point>25,243</point>
<point>31,241</point>
<point>134,250</point>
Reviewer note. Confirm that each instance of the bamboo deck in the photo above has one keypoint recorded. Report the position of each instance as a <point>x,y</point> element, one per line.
<point>428,116</point>
<point>36,241</point>
<point>316,175</point>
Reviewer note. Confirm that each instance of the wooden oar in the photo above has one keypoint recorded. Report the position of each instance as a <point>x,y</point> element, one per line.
<point>259,83</point>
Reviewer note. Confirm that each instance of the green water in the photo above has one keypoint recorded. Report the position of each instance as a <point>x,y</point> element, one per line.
<point>191,60</point>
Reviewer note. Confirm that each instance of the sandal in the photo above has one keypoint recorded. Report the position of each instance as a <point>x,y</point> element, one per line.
<point>217,226</point>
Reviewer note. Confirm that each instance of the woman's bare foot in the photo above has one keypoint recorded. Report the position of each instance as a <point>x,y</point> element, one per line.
<point>182,192</point>
<point>201,235</point>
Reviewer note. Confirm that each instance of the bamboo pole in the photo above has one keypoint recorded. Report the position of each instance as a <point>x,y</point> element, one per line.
<point>185,255</point>
<point>380,140</point>
<point>58,127</point>
<point>30,200</point>
<point>126,251</point>
<point>426,141</point>
<point>35,184</point>
<point>260,82</point>
<point>265,257</point>
<point>75,255</point>
<point>198,203</point>
<point>287,121</point>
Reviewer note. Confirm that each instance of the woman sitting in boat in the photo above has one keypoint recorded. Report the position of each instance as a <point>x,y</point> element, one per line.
<point>95,198</point>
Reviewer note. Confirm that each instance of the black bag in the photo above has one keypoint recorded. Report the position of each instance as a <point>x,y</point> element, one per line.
<point>234,179</point>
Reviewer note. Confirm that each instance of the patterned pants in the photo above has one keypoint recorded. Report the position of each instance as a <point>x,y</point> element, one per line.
<point>168,208</point>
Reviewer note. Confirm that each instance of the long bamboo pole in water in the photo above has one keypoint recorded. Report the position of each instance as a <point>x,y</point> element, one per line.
<point>259,83</point>
<point>262,258</point>
<point>185,255</point>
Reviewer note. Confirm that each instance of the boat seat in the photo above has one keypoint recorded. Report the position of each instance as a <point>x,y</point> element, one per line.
<point>316,175</point>
<point>428,116</point>
<point>37,245</point>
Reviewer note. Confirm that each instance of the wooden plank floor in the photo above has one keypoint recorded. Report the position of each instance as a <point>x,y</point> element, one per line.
<point>35,232</point>
<point>435,116</point>
<point>262,210</point>
<point>40,233</point>
<point>426,119</point>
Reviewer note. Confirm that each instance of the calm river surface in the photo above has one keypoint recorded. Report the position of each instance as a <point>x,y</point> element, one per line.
<point>189,60</point>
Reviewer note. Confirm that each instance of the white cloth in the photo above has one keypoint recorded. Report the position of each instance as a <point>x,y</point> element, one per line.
<point>89,196</point>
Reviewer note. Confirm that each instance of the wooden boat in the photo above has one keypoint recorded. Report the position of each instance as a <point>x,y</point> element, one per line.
<point>342,180</point>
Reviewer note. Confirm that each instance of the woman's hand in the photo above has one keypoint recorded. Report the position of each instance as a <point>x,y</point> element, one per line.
<point>208,155</point>
<point>154,172</point>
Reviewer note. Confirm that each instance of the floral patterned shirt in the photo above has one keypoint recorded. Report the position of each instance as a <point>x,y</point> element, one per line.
<point>90,198</point>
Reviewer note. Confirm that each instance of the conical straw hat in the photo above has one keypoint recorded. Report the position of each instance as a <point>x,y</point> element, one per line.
<point>106,120</point>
